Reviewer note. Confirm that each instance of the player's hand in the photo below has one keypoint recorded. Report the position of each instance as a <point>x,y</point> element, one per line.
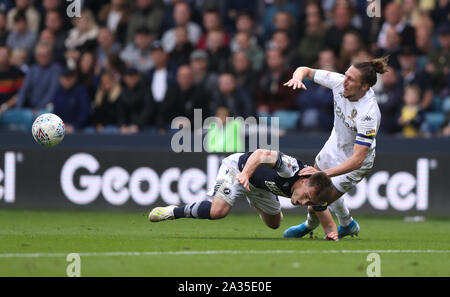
<point>308,171</point>
<point>332,236</point>
<point>243,179</point>
<point>295,84</point>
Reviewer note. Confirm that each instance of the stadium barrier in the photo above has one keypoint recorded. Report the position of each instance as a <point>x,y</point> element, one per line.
<point>113,178</point>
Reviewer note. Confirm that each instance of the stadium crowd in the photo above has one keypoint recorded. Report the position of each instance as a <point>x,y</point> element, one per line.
<point>124,66</point>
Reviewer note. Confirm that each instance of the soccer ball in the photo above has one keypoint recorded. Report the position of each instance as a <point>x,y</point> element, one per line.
<point>48,129</point>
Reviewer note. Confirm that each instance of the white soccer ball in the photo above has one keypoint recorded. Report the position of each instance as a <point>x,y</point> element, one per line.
<point>48,129</point>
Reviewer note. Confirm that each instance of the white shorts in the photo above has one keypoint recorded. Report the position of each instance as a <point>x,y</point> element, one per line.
<point>345,182</point>
<point>229,189</point>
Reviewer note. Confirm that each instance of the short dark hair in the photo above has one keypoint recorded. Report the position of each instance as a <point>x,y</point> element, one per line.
<point>323,186</point>
<point>20,17</point>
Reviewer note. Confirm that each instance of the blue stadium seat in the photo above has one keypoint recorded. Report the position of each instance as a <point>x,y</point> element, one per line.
<point>434,121</point>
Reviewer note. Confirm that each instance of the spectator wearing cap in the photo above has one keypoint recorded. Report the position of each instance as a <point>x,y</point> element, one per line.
<point>137,106</point>
<point>71,102</point>
<point>182,17</point>
<point>148,14</point>
<point>162,76</point>
<point>21,36</point>
<point>183,48</point>
<point>115,16</point>
<point>31,14</point>
<point>137,54</point>
<point>198,61</point>
<point>439,59</point>
<point>410,75</point>
<point>182,98</point>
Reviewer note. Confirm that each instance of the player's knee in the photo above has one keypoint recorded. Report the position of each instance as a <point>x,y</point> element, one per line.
<point>218,213</point>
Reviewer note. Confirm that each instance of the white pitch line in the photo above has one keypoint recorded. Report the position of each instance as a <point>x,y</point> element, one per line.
<point>220,252</point>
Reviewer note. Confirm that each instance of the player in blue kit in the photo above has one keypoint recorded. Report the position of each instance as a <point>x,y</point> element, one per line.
<point>259,176</point>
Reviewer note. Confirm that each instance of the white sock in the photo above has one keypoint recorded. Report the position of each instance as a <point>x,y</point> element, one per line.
<point>341,211</point>
<point>312,221</point>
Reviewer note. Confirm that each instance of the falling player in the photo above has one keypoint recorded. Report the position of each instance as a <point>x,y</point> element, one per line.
<point>241,176</point>
<point>349,153</point>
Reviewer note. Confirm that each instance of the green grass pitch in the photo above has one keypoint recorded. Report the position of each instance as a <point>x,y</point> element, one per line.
<point>35,243</point>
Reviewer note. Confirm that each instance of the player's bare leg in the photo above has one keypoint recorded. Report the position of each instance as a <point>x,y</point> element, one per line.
<point>272,221</point>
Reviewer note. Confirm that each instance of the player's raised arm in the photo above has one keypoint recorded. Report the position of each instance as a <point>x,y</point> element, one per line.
<point>260,156</point>
<point>300,73</point>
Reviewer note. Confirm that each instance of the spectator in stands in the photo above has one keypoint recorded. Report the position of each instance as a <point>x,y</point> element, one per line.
<point>202,77</point>
<point>37,91</point>
<point>392,48</point>
<point>71,102</point>
<point>88,74</point>
<point>245,23</point>
<point>107,45</point>
<point>390,99</point>
<point>284,21</point>
<point>137,54</point>
<point>281,40</point>
<point>316,105</point>
<point>11,79</point>
<point>53,6</point>
<point>182,99</point>
<point>105,113</point>
<point>342,23</point>
<point>137,106</point>
<point>162,76</point>
<point>21,36</point>
<point>19,59</point>
<point>351,44</point>
<point>232,10</point>
<point>412,76</point>
<point>41,81</point>
<point>394,17</point>
<point>291,7</point>
<point>411,114</point>
<point>253,51</point>
<point>439,59</point>
<point>236,100</point>
<point>313,41</point>
<point>182,17</point>
<point>54,23</point>
<point>183,48</point>
<point>218,54</point>
<point>212,22</point>
<point>84,34</point>
<point>47,36</point>
<point>31,14</point>
<point>3,31</point>
<point>115,16</point>
<point>271,96</point>
<point>243,73</point>
<point>149,14</point>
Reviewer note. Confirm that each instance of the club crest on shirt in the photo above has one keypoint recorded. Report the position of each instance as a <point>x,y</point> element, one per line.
<point>353,115</point>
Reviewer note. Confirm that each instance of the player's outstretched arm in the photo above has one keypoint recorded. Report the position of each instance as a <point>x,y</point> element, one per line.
<point>353,163</point>
<point>300,73</point>
<point>260,156</point>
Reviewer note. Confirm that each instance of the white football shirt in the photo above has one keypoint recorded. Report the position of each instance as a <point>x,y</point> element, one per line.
<point>354,122</point>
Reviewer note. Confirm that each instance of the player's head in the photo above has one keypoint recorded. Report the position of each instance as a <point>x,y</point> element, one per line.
<point>314,190</point>
<point>361,76</point>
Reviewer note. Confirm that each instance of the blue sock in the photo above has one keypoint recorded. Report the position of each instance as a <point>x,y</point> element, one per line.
<point>198,210</point>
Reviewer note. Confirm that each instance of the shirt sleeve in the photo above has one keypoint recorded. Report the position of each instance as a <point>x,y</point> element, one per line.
<point>327,78</point>
<point>366,130</point>
<point>286,166</point>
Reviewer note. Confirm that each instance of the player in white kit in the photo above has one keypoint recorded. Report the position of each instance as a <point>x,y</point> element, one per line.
<point>349,153</point>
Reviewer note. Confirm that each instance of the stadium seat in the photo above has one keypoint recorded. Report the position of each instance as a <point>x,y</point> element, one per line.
<point>433,121</point>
